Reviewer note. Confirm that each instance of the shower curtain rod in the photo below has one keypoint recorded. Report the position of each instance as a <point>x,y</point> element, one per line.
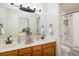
<point>71,12</point>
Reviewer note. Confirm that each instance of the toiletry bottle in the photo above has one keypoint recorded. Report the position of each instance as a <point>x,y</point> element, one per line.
<point>43,36</point>
<point>10,37</point>
<point>7,41</point>
<point>19,39</point>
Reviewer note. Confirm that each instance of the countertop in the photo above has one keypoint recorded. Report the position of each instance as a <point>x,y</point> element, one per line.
<point>10,47</point>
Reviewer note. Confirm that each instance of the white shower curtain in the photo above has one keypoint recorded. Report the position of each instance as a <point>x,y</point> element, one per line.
<point>75,18</point>
<point>67,30</point>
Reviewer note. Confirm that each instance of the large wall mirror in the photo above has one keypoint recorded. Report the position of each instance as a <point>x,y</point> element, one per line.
<point>15,21</point>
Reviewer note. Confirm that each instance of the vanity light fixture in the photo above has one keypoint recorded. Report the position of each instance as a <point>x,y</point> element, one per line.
<point>26,9</point>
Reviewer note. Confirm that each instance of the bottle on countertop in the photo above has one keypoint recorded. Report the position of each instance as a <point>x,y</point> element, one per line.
<point>19,39</point>
<point>9,40</point>
<point>10,37</point>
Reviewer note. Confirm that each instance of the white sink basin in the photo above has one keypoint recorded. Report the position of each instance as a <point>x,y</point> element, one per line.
<point>37,40</point>
<point>4,46</point>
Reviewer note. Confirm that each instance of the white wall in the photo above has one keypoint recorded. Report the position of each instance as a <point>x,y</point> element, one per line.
<point>52,14</point>
<point>53,18</point>
<point>43,20</point>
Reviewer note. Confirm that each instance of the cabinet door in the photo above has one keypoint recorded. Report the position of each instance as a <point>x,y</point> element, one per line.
<point>37,51</point>
<point>49,51</point>
<point>11,53</point>
<point>24,52</point>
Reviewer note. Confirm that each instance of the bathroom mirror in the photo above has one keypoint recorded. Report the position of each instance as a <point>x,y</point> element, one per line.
<point>32,22</point>
<point>15,21</point>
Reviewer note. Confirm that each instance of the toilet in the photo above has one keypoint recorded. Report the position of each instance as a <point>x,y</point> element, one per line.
<point>65,50</point>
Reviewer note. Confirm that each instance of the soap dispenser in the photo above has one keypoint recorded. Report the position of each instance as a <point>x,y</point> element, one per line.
<point>9,40</point>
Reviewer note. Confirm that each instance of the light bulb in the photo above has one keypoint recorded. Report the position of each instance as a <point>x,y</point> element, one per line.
<point>28,4</point>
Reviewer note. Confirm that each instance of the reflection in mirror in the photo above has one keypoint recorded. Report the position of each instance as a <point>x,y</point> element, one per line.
<point>43,32</point>
<point>1,29</point>
<point>38,26</point>
<point>23,23</point>
<point>30,26</point>
<point>24,28</point>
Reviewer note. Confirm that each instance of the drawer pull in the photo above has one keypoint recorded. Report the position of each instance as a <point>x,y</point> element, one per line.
<point>36,50</point>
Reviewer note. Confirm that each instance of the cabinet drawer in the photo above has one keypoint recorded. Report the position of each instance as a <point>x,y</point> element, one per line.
<point>29,54</point>
<point>48,45</point>
<point>11,53</point>
<point>24,51</point>
<point>37,51</point>
<point>35,48</point>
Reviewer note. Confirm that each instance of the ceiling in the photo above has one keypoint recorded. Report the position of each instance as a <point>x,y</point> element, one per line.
<point>69,7</point>
<point>64,7</point>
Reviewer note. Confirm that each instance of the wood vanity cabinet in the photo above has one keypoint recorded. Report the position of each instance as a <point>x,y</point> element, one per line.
<point>25,52</point>
<point>49,49</point>
<point>10,53</point>
<point>37,51</point>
